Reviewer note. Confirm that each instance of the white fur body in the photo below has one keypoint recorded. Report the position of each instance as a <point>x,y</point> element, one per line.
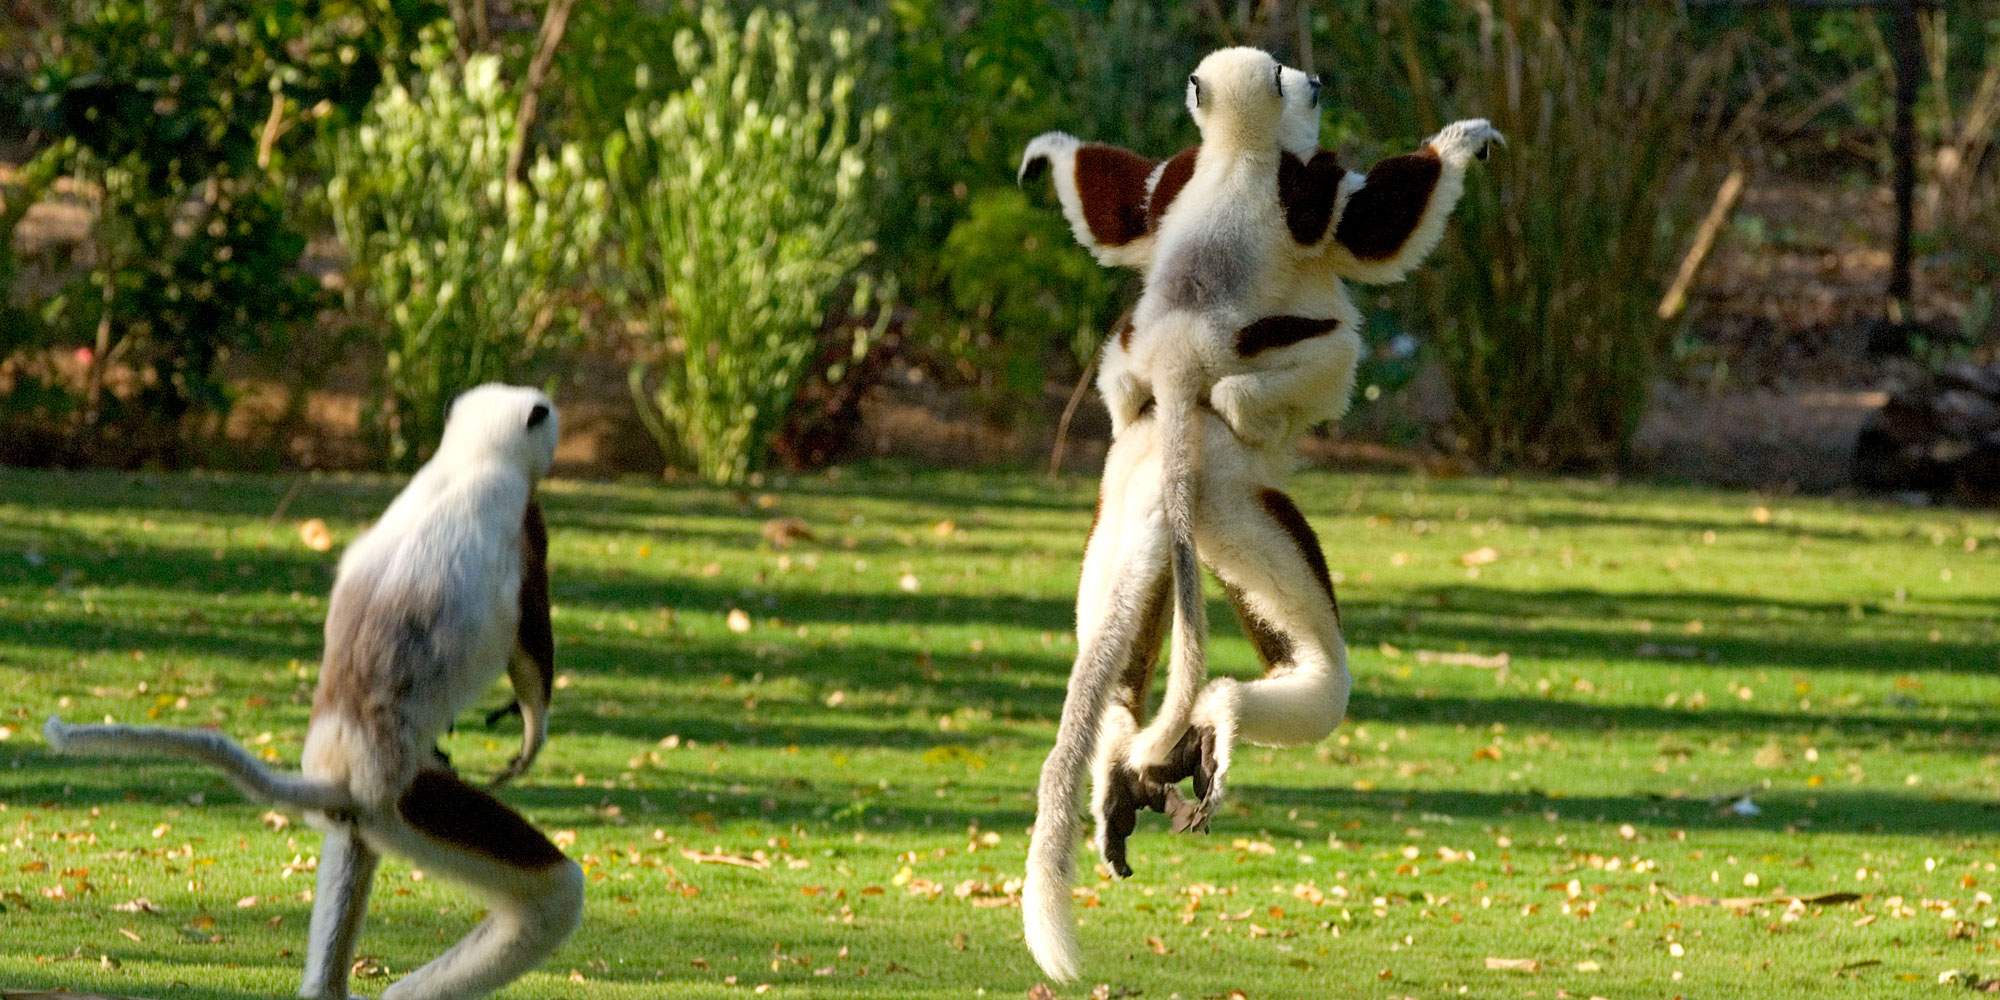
<point>423,618</point>
<point>1218,262</point>
<point>1180,470</point>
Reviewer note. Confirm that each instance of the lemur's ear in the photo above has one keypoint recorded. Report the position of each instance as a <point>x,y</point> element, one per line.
<point>1194,87</point>
<point>537,415</point>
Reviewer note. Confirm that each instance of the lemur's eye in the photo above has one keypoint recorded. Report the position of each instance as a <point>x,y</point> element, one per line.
<point>1278,77</point>
<point>1194,88</point>
<point>537,415</point>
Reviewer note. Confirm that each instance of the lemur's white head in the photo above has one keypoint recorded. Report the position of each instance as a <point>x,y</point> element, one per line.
<point>1237,97</point>
<point>1298,131</point>
<point>512,423</point>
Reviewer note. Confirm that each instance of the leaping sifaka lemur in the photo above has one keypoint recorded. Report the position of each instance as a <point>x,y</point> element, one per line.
<point>1245,239</point>
<point>433,603</point>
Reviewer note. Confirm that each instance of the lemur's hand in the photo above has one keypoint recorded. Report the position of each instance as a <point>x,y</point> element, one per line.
<point>1126,397</point>
<point>1254,421</point>
<point>1461,141</point>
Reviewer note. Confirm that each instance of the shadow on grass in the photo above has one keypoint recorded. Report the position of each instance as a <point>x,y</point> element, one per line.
<point>1496,619</point>
<point>1821,811</point>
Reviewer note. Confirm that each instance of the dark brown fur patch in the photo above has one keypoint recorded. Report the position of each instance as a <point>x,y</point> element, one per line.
<point>1286,513</point>
<point>1138,675</point>
<point>1172,179</point>
<point>1307,191</point>
<point>1381,216</point>
<point>1273,647</point>
<point>1273,332</point>
<point>536,637</point>
<point>443,807</point>
<point>1124,330</point>
<point>1111,182</point>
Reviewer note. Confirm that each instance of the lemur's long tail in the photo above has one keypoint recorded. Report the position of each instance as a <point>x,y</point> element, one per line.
<point>1178,397</point>
<point>1045,893</point>
<point>243,770</point>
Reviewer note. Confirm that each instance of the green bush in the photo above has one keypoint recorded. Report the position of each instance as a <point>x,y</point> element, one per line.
<point>469,274</point>
<point>969,85</point>
<point>1541,298</point>
<point>178,128</point>
<point>742,204</point>
<point>1019,285</point>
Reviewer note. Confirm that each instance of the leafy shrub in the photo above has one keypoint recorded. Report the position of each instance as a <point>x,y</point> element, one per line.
<point>1019,285</point>
<point>742,205</point>
<point>469,272</point>
<point>968,87</point>
<point>178,127</point>
<point>1541,298</point>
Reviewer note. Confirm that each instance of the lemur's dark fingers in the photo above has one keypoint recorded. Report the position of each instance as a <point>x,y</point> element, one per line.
<point>1184,815</point>
<point>1207,790</point>
<point>443,759</point>
<point>1184,760</point>
<point>511,708</point>
<point>1032,169</point>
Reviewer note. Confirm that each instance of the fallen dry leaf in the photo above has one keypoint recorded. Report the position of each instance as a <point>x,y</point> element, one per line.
<point>784,532</point>
<point>739,620</point>
<point>1481,556</point>
<point>316,535</point>
<point>1041,991</point>
<point>1479,660</point>
<point>1513,964</point>
<point>720,858</point>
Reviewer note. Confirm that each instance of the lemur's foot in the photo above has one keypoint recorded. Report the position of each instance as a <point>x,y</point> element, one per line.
<point>1254,421</point>
<point>1465,140</point>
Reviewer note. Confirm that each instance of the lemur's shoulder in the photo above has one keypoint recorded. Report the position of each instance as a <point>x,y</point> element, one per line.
<point>1166,183</point>
<point>1309,191</point>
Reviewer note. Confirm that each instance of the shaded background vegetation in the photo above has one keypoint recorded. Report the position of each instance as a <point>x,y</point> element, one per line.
<point>215,153</point>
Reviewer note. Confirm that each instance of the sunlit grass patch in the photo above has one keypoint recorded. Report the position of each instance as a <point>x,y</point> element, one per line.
<point>811,766</point>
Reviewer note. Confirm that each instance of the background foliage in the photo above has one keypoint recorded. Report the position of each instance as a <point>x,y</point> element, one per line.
<point>742,205</point>
<point>179,126</point>
<point>176,124</point>
<point>469,270</point>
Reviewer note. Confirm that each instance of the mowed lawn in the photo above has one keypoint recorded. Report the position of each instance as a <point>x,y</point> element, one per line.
<point>806,771</point>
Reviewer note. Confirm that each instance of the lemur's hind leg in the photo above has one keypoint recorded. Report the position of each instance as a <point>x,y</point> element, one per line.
<point>533,894</point>
<point>346,874</point>
<point>1125,562</point>
<point>1258,543</point>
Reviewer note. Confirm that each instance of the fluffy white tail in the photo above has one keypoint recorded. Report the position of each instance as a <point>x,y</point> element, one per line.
<point>243,770</point>
<point>1177,397</point>
<point>1045,893</point>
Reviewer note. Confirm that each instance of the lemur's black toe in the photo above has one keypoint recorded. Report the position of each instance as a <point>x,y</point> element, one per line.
<point>511,708</point>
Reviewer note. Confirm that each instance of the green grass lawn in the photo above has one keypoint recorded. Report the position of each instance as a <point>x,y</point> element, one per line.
<point>867,749</point>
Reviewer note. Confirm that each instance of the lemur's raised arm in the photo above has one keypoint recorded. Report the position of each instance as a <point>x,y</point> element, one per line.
<point>1394,219</point>
<point>1105,192</point>
<point>1375,228</point>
